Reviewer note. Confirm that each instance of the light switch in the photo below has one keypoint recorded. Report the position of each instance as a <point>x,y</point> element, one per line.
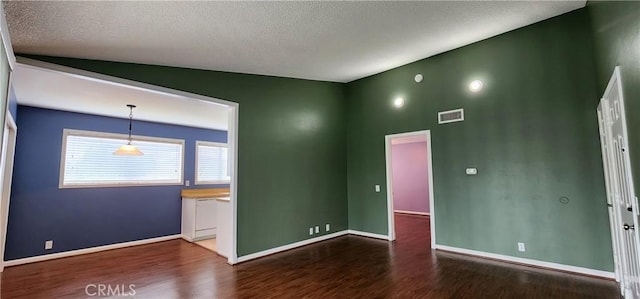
<point>472,171</point>
<point>377,188</point>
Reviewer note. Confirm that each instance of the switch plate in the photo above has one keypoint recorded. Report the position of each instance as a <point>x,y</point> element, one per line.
<point>48,244</point>
<point>317,229</point>
<point>187,183</point>
<point>328,227</point>
<point>311,231</point>
<point>521,247</point>
<point>377,188</point>
<point>472,171</point>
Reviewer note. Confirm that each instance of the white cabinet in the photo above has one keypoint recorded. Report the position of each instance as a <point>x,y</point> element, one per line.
<point>198,218</point>
<point>223,239</point>
<point>206,217</point>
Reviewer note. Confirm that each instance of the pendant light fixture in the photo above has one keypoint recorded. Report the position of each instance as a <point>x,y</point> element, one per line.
<point>129,149</point>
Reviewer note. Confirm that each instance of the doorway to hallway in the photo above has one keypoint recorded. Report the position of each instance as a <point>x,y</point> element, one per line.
<point>410,179</point>
<point>409,175</point>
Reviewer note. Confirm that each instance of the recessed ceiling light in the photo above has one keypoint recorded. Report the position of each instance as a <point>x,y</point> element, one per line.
<point>398,102</point>
<point>418,78</point>
<point>475,86</point>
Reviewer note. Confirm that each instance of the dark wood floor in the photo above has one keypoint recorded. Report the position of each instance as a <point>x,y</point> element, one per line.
<point>345,267</point>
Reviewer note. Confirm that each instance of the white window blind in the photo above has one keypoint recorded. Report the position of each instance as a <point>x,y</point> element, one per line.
<point>212,163</point>
<point>88,161</point>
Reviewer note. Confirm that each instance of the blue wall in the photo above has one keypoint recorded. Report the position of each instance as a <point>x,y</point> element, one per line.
<point>13,103</point>
<point>87,217</point>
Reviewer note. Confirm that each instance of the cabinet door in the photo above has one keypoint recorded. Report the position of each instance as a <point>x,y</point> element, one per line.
<point>223,235</point>
<point>205,214</point>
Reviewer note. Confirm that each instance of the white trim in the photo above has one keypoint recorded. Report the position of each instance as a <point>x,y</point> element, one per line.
<point>530,262</point>
<point>368,235</point>
<point>390,210</point>
<point>256,255</point>
<point>210,144</point>
<point>411,212</point>
<point>461,110</point>
<point>124,137</point>
<point>391,230</point>
<point>87,250</point>
<point>6,40</point>
<point>7,177</point>
<point>99,134</point>
<point>432,198</point>
<point>234,115</point>
<point>60,69</point>
<point>232,141</point>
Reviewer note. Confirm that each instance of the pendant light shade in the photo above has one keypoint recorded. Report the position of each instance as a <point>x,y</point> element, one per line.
<point>129,149</point>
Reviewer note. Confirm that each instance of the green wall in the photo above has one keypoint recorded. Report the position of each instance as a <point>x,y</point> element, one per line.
<point>616,32</point>
<point>291,143</point>
<point>531,132</point>
<point>306,146</point>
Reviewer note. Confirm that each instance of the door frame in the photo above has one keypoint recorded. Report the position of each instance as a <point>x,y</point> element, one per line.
<point>389,174</point>
<point>232,131</point>
<point>11,129</point>
<point>11,59</point>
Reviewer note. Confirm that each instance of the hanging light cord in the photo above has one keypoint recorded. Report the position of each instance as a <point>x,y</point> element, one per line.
<point>130,120</point>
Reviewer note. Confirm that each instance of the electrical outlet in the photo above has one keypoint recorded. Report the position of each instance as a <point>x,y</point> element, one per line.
<point>328,227</point>
<point>310,231</point>
<point>48,244</point>
<point>317,229</point>
<point>187,183</point>
<point>521,247</point>
<point>377,188</point>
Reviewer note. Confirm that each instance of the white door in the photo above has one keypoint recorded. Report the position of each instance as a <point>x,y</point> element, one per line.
<point>613,215</point>
<point>205,214</point>
<point>620,190</point>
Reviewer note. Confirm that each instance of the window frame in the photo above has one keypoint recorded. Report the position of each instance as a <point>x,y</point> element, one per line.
<point>124,137</point>
<point>215,182</point>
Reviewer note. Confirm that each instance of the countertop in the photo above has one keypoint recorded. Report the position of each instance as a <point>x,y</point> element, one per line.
<point>205,193</point>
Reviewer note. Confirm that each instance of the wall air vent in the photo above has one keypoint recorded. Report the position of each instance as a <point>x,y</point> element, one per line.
<point>450,116</point>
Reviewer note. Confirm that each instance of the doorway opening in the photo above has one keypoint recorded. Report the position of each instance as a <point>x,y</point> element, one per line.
<point>171,107</point>
<point>409,178</point>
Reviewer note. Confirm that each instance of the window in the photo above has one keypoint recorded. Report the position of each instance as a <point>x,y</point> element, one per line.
<point>88,161</point>
<point>212,163</point>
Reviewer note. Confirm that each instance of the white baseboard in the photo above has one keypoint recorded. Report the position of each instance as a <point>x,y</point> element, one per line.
<point>411,212</point>
<point>186,238</point>
<point>555,266</point>
<point>86,250</point>
<point>369,235</point>
<point>531,262</point>
<point>256,255</point>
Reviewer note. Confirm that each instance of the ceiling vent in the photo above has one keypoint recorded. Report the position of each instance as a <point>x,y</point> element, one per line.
<point>450,116</point>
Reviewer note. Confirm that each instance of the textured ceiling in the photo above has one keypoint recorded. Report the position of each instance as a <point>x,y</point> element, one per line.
<point>330,41</point>
<point>40,87</point>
